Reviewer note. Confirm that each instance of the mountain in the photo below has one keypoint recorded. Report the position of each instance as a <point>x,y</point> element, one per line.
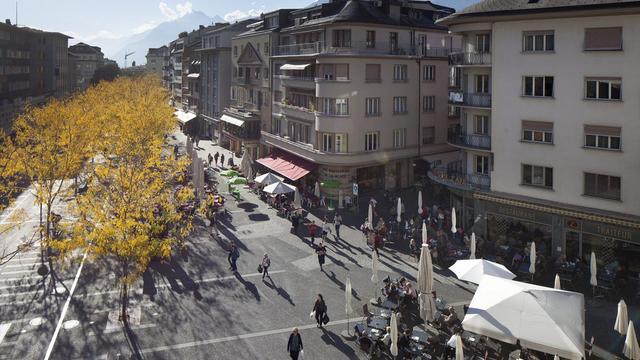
<point>317,2</point>
<point>162,34</point>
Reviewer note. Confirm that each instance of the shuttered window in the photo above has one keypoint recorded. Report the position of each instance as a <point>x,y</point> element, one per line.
<point>609,38</point>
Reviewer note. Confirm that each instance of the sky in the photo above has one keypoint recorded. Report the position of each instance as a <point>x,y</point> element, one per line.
<point>88,20</point>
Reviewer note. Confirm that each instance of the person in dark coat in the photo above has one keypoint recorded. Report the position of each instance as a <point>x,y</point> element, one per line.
<point>209,159</point>
<point>320,308</point>
<point>222,160</point>
<point>294,345</point>
<point>321,250</point>
<point>215,157</point>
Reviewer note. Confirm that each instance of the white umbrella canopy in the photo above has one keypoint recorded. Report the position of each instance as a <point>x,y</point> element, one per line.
<point>472,246</point>
<point>532,258</point>
<point>425,271</point>
<point>425,237</point>
<point>297,200</point>
<point>459,348</point>
<point>394,334</point>
<point>622,318</point>
<point>541,318</point>
<point>631,348</point>
<point>419,201</point>
<point>453,220</point>
<point>374,267</point>
<point>370,216</point>
<point>316,189</point>
<point>473,270</point>
<point>245,164</point>
<point>594,270</point>
<point>268,179</point>
<point>279,188</point>
<point>348,309</point>
<point>556,283</point>
<point>398,216</point>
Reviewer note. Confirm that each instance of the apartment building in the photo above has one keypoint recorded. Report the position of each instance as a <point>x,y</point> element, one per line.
<point>359,95</point>
<point>33,66</point>
<point>176,48</point>
<point>158,63</point>
<point>548,92</point>
<point>251,104</point>
<point>85,59</point>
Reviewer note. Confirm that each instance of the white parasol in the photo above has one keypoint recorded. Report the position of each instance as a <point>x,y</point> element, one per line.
<point>556,283</point>
<point>472,246</point>
<point>622,318</point>
<point>419,201</point>
<point>532,258</point>
<point>398,216</point>
<point>453,220</point>
<point>394,334</point>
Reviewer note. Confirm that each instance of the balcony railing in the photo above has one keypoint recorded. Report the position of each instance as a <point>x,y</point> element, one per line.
<point>470,99</point>
<point>469,140</point>
<point>470,58</point>
<point>360,47</point>
<point>458,179</point>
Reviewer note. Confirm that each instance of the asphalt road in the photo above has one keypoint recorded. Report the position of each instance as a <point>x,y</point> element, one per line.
<point>194,307</point>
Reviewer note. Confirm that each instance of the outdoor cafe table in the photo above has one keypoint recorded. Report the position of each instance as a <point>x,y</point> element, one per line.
<point>421,336</point>
<point>378,322</point>
<point>516,355</point>
<point>389,304</point>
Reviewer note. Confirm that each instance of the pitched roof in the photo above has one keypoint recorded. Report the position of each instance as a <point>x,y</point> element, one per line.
<point>511,7</point>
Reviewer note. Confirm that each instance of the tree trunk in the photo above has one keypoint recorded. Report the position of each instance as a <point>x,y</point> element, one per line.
<point>124,301</point>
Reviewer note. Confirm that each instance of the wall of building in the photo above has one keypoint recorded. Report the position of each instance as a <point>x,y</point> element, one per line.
<point>569,65</point>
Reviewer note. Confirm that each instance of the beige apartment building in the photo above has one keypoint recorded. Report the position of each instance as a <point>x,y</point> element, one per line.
<point>359,94</point>
<point>549,99</point>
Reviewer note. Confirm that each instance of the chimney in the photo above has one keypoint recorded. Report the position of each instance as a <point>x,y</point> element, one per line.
<point>201,27</point>
<point>7,21</point>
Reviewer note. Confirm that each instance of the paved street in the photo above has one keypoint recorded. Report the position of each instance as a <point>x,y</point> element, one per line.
<point>193,307</point>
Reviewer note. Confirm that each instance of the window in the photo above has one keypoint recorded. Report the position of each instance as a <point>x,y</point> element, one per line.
<point>265,48</point>
<point>399,72</point>
<point>371,39</point>
<point>266,73</point>
<point>603,39</point>
<point>234,93</point>
<point>537,131</point>
<point>327,142</point>
<point>482,84</point>
<point>371,141</point>
<point>331,106</point>
<point>603,186</point>
<point>537,176</point>
<point>428,135</point>
<point>399,138</point>
<point>342,107</point>
<point>342,72</point>
<point>481,124</point>
<point>538,41</point>
<point>429,103</point>
<point>341,143</point>
<point>334,143</point>
<point>276,126</point>
<point>602,137</point>
<point>603,89</point>
<point>400,105</point>
<point>373,106</point>
<point>256,73</point>
<point>393,42</point>
<point>483,43</point>
<point>372,73</point>
<point>341,38</point>
<point>481,164</point>
<point>235,51</point>
<point>429,73</point>
<point>539,86</point>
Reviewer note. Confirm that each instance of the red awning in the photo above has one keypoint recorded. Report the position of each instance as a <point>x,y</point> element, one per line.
<point>287,165</point>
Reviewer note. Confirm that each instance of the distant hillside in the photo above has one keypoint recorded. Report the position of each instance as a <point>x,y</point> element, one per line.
<point>160,35</point>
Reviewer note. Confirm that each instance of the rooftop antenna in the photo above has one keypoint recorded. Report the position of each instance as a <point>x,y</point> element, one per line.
<point>126,56</point>
<point>16,12</point>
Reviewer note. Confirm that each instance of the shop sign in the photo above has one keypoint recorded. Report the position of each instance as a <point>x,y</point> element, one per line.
<point>611,231</point>
<point>330,184</point>
<point>520,213</point>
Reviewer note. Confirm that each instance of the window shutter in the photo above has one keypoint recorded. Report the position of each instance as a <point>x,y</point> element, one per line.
<point>537,125</point>
<point>603,38</point>
<point>342,71</point>
<point>602,130</point>
<point>372,72</point>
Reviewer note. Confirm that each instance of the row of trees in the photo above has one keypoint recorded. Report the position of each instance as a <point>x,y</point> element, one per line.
<point>112,138</point>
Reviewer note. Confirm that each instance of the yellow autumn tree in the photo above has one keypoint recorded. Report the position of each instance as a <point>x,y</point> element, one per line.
<point>50,146</point>
<point>130,212</point>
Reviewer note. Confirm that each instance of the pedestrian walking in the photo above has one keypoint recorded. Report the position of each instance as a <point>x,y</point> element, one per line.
<point>231,160</point>
<point>337,221</point>
<point>233,256</point>
<point>197,141</point>
<point>378,242</point>
<point>221,160</point>
<point>325,230</point>
<point>266,262</point>
<point>312,231</point>
<point>320,310</point>
<point>210,159</point>
<point>294,345</point>
<point>215,157</point>
<point>176,150</point>
<point>321,250</point>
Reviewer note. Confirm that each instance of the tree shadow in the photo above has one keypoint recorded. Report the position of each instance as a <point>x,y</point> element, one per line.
<point>336,341</point>
<point>249,286</point>
<point>172,272</point>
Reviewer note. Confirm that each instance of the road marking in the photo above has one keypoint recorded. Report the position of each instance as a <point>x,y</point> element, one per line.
<point>4,329</point>
<point>239,337</point>
<point>18,205</point>
<point>30,285</point>
<point>133,327</point>
<point>16,272</point>
<point>21,278</point>
<point>23,258</point>
<point>64,309</point>
<point>18,265</point>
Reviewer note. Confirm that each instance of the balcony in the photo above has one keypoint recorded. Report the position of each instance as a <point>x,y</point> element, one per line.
<point>473,141</point>
<point>470,59</point>
<point>359,48</point>
<point>294,111</point>
<point>460,180</point>
<point>479,100</point>
<point>301,82</point>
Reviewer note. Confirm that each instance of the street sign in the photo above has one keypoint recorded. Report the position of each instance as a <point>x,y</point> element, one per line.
<point>355,189</point>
